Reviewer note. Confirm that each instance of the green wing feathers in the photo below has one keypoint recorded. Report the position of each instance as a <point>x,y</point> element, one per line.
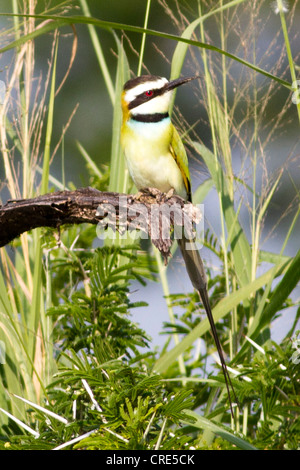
<point>179,154</point>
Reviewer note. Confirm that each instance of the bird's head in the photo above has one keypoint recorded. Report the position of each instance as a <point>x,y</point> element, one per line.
<point>149,94</point>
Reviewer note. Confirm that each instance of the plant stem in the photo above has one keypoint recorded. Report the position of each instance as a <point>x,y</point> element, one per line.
<point>289,53</point>
<point>139,71</point>
<point>99,53</point>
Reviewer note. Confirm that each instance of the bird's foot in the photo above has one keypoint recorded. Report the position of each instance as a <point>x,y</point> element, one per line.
<point>138,196</point>
<point>147,195</point>
<point>169,194</point>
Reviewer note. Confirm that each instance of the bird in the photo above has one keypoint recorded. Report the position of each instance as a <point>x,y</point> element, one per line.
<point>156,158</point>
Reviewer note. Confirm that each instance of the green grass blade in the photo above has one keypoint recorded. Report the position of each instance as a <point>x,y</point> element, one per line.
<point>202,191</point>
<point>99,54</point>
<point>19,365</point>
<point>239,244</point>
<point>37,321</point>
<point>220,310</point>
<point>46,159</point>
<point>139,70</point>
<point>8,338</point>
<point>119,175</point>
<point>280,294</point>
<point>89,160</point>
<point>20,423</point>
<point>182,46</point>
<point>59,21</point>
<point>203,423</point>
<point>273,258</point>
<point>280,6</point>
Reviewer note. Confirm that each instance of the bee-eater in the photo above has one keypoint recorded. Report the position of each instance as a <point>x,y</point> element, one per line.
<point>156,158</point>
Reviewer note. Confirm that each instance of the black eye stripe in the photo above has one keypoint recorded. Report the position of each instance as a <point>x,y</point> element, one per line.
<point>143,98</point>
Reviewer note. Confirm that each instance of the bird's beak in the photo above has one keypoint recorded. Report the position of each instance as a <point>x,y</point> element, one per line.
<point>179,81</point>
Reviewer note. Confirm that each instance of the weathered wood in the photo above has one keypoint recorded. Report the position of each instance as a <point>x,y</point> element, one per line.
<point>150,211</point>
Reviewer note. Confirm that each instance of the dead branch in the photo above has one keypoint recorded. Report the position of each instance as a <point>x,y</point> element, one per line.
<point>151,212</point>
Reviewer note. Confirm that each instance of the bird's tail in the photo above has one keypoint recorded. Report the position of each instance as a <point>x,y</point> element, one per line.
<point>196,272</point>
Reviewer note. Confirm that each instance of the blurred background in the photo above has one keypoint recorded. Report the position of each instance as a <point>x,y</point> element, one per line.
<point>91,125</point>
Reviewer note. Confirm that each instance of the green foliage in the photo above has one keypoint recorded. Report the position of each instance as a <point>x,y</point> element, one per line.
<point>273,393</point>
<point>101,387</point>
<point>84,318</point>
<point>79,373</point>
<point>98,345</point>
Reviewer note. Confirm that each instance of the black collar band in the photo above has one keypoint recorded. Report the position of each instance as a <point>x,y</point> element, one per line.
<point>155,117</point>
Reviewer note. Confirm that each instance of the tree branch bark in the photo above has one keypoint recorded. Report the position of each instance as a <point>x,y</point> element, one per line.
<point>151,211</point>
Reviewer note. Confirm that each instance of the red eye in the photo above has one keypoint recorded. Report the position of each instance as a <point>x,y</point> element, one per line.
<point>149,93</point>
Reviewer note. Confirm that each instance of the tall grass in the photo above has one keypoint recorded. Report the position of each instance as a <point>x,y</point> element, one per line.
<point>24,327</point>
<point>244,299</point>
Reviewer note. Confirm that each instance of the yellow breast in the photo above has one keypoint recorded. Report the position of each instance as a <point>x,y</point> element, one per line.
<point>147,151</point>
